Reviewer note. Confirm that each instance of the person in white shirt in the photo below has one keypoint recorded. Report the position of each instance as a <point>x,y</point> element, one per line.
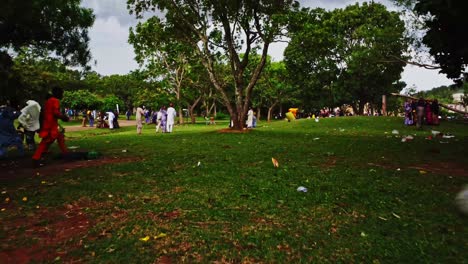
<point>250,118</point>
<point>139,123</point>
<point>171,114</point>
<point>158,120</point>
<point>29,119</point>
<point>110,118</point>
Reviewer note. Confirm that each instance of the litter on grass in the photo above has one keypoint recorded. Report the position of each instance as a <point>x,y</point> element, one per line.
<point>301,189</point>
<point>395,132</point>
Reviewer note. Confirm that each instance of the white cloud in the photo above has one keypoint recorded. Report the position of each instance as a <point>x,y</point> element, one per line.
<point>109,46</point>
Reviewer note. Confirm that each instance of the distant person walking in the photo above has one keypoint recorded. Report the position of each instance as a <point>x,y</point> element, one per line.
<point>128,114</point>
<point>29,119</point>
<point>163,118</point>
<point>171,114</point>
<point>158,120</point>
<point>138,115</point>
<point>49,129</point>
<point>420,113</point>
<point>435,112</point>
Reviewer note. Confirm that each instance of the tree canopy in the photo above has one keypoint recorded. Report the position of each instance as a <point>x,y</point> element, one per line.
<point>346,56</point>
<point>60,26</point>
<point>446,28</point>
<point>221,29</point>
<point>47,28</point>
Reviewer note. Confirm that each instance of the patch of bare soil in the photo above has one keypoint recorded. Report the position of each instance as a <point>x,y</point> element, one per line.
<point>234,131</point>
<point>446,168</point>
<point>449,168</point>
<point>46,232</point>
<point>13,169</point>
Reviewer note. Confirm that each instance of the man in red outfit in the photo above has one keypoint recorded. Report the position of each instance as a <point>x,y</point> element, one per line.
<point>49,130</point>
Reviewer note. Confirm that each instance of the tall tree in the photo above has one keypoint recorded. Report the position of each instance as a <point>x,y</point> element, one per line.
<point>446,32</point>
<point>60,26</point>
<point>224,27</point>
<point>54,26</point>
<point>342,56</point>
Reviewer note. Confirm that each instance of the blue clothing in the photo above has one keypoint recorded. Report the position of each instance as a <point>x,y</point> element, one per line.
<point>8,134</point>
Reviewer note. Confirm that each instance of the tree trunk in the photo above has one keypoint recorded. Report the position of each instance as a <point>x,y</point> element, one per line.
<point>270,110</point>
<point>181,116</point>
<point>190,109</point>
<point>361,107</point>
<point>258,113</point>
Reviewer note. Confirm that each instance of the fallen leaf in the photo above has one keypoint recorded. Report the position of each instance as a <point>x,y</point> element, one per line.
<point>395,215</point>
<point>275,162</point>
<point>161,235</point>
<point>7,199</point>
<point>146,238</point>
<point>25,199</point>
<point>422,172</point>
<point>43,182</point>
<point>383,218</point>
<point>363,234</point>
<point>3,209</point>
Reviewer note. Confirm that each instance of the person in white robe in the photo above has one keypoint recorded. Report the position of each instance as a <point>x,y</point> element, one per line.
<point>110,118</point>
<point>171,114</point>
<point>250,115</point>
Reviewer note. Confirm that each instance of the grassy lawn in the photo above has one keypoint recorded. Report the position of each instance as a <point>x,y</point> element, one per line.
<point>198,195</point>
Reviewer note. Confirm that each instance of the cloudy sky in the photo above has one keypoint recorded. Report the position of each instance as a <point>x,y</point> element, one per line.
<point>110,48</point>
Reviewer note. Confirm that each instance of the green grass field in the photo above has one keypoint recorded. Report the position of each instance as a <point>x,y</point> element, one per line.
<point>201,196</point>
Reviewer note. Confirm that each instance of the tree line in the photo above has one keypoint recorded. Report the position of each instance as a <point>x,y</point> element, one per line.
<point>212,55</point>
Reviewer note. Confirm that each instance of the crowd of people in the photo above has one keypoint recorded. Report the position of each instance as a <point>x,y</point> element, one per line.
<point>164,118</point>
<point>419,112</point>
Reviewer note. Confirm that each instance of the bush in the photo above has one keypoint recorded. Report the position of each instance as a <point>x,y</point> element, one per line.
<point>222,116</point>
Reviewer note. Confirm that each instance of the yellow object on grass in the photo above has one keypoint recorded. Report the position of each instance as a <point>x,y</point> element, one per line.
<point>290,116</point>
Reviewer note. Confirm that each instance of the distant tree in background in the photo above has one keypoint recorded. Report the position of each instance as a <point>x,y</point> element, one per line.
<point>346,56</point>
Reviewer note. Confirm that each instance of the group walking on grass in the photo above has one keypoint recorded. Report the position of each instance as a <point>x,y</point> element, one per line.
<point>164,118</point>
<point>422,112</point>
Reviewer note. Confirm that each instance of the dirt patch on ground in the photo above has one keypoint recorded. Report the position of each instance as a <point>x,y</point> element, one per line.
<point>13,169</point>
<point>449,168</point>
<point>234,131</point>
<point>446,168</point>
<point>47,235</point>
<point>329,163</point>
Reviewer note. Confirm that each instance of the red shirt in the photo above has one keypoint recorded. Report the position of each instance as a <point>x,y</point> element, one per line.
<point>49,123</point>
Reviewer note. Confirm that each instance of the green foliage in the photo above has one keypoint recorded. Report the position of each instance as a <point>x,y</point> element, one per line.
<point>110,102</point>
<point>57,26</point>
<point>443,93</point>
<point>217,30</point>
<point>222,116</point>
<point>80,100</point>
<point>346,56</point>
<point>31,76</point>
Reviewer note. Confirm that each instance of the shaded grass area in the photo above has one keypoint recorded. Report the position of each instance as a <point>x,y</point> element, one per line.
<point>202,196</point>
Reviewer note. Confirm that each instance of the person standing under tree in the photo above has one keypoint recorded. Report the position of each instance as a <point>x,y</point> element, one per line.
<point>139,123</point>
<point>250,115</point>
<point>171,114</point>
<point>49,130</point>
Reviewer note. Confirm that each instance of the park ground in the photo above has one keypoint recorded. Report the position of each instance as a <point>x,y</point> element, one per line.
<point>202,195</point>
